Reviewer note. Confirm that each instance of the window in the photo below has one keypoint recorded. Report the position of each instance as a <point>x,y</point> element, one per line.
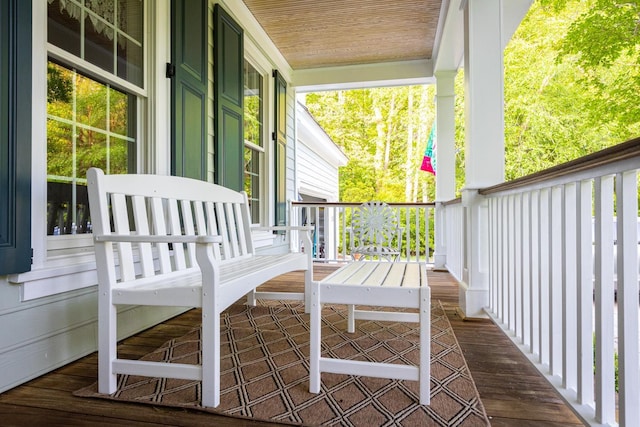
<point>253,138</point>
<point>96,49</point>
<point>88,124</point>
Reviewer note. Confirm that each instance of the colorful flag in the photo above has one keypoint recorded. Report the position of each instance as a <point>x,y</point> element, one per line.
<point>429,159</point>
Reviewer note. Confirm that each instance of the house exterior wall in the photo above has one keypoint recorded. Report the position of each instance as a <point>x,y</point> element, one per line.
<point>317,158</point>
<point>48,330</point>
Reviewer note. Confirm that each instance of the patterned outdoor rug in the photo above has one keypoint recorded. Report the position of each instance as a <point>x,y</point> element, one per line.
<point>265,372</point>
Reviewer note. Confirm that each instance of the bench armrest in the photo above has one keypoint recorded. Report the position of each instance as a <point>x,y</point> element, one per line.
<point>135,238</point>
<point>284,228</point>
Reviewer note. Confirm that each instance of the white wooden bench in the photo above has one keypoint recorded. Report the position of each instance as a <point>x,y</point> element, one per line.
<point>172,241</point>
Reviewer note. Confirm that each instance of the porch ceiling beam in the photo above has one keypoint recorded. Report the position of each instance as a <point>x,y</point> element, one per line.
<point>363,76</point>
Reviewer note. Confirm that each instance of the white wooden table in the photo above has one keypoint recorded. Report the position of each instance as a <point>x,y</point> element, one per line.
<point>382,284</point>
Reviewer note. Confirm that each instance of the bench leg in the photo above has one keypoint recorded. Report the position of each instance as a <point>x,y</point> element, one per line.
<point>351,318</point>
<point>308,286</point>
<point>210,359</point>
<point>107,341</point>
<point>251,298</point>
<point>425,346</point>
<point>315,335</point>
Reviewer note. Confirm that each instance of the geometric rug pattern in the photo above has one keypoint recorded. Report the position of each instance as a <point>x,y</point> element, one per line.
<point>265,371</point>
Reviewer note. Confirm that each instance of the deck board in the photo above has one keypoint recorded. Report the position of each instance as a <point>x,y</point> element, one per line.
<point>511,389</point>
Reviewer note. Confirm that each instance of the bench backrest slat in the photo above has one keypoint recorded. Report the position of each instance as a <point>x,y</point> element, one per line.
<point>160,229</point>
<point>165,205</point>
<point>176,230</point>
<point>121,226</point>
<point>141,218</point>
<point>212,226</point>
<point>189,229</point>
<point>223,231</point>
<point>233,232</point>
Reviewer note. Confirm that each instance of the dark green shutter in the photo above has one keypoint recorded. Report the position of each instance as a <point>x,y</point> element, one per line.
<point>188,69</point>
<point>280,142</point>
<point>15,136</point>
<point>228,76</point>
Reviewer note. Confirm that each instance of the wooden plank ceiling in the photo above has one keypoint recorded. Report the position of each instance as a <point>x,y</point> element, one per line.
<point>324,33</point>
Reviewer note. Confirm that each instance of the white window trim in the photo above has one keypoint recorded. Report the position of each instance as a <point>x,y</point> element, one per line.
<point>49,274</point>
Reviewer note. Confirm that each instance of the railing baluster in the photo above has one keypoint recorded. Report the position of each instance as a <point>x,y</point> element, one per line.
<point>555,281</point>
<point>627,287</point>
<point>526,269</point>
<point>517,265</point>
<point>605,402</point>
<point>545,274</point>
<point>569,310</point>
<point>501,260</point>
<point>511,283</point>
<point>535,274</point>
<point>584,281</point>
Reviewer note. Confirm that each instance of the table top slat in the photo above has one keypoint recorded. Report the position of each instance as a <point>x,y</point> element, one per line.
<point>411,278</point>
<point>379,275</point>
<point>360,276</point>
<point>394,278</point>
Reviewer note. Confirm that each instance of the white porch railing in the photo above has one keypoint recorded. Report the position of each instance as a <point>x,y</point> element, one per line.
<point>454,234</point>
<point>563,281</point>
<point>332,221</point>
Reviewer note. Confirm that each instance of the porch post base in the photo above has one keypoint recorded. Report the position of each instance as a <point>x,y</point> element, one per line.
<point>473,301</point>
<point>440,262</point>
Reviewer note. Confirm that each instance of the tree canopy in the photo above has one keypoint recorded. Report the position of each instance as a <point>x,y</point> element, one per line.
<point>572,73</point>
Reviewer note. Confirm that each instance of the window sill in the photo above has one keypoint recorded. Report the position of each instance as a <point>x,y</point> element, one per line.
<point>52,280</point>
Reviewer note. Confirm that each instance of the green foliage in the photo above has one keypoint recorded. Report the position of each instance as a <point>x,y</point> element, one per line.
<point>384,133</point>
<point>558,105</point>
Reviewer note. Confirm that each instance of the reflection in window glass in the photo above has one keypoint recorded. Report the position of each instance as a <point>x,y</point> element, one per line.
<point>89,124</point>
<point>253,150</point>
<point>111,34</point>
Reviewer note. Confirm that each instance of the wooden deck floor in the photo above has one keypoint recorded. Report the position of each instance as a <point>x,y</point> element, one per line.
<point>512,391</point>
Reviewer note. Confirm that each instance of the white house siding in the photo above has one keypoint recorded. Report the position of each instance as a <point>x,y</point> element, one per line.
<point>316,176</point>
<point>42,334</point>
<point>317,159</point>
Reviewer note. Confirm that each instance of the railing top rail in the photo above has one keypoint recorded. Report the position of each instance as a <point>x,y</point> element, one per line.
<point>356,204</point>
<point>608,156</point>
<point>453,201</point>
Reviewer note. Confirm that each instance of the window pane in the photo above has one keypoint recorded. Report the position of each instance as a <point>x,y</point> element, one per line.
<point>91,102</point>
<point>130,18</point>
<point>63,25</point>
<point>59,91</point>
<point>118,112</point>
<point>252,182</point>
<point>104,9</point>
<point>91,151</point>
<point>59,150</point>
<point>98,43</point>
<point>118,156</point>
<point>129,60</point>
<point>252,105</point>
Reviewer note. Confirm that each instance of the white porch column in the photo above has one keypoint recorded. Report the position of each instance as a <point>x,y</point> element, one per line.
<point>445,158</point>
<point>484,143</point>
